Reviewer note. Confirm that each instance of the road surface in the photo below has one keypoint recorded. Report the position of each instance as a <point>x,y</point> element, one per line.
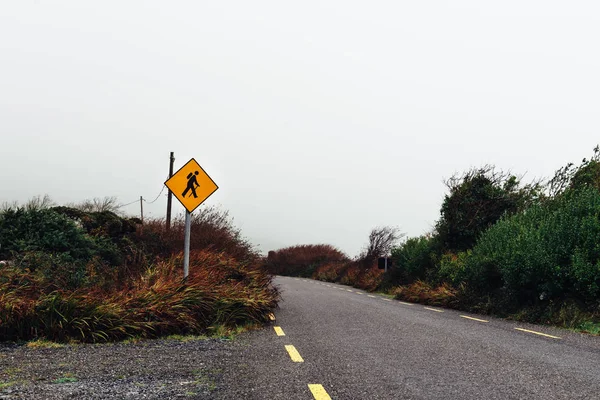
<point>349,344</point>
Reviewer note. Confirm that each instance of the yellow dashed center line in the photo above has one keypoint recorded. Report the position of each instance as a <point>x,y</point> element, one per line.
<point>294,355</point>
<point>358,293</point>
<point>433,309</point>
<point>371,296</point>
<point>537,333</point>
<point>474,319</point>
<point>318,392</point>
<point>348,290</point>
<point>388,299</point>
<point>279,331</point>
<point>328,285</point>
<point>405,303</point>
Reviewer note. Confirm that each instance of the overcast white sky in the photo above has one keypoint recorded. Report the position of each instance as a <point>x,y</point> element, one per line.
<point>319,120</point>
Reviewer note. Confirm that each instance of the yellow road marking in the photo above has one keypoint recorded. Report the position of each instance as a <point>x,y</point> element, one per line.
<point>433,309</point>
<point>272,317</point>
<point>328,285</point>
<point>371,296</point>
<point>358,293</point>
<point>348,290</point>
<point>294,355</point>
<point>279,331</point>
<point>388,299</point>
<point>537,333</point>
<point>405,303</point>
<point>474,319</point>
<point>318,392</point>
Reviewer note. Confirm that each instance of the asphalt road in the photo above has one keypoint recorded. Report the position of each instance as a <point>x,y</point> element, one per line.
<point>356,345</point>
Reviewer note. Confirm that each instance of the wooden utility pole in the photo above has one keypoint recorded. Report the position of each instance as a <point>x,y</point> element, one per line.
<point>170,195</point>
<point>142,208</point>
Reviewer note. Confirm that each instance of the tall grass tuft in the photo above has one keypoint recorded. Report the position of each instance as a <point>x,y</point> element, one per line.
<point>218,291</point>
<point>96,277</point>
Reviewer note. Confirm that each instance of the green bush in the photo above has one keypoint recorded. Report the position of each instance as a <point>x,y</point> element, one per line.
<point>476,200</point>
<point>23,230</point>
<point>414,260</point>
<point>452,267</point>
<point>549,251</point>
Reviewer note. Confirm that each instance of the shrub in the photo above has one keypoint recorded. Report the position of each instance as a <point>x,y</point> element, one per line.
<point>89,276</point>
<point>219,291</point>
<point>452,267</point>
<point>478,199</point>
<point>330,272</point>
<point>422,292</point>
<point>303,260</point>
<point>211,229</point>
<point>23,230</point>
<point>571,177</point>
<point>549,251</point>
<point>415,259</point>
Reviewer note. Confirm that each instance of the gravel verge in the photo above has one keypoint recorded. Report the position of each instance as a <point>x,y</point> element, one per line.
<point>149,369</point>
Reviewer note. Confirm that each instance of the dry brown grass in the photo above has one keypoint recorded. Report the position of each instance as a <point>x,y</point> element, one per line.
<point>424,293</point>
<point>219,291</point>
<point>303,260</point>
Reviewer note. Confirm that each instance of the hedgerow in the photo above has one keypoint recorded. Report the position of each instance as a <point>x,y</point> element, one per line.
<point>95,276</point>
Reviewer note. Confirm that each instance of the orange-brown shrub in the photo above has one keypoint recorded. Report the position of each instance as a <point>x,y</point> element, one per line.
<point>422,292</point>
<point>211,229</point>
<point>219,291</point>
<point>330,272</point>
<point>368,279</point>
<point>302,260</point>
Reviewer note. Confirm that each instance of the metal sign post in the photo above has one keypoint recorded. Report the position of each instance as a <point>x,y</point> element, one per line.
<point>384,263</point>
<point>186,244</point>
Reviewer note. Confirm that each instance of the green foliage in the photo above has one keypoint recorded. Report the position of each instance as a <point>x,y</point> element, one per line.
<point>452,267</point>
<point>571,177</point>
<point>23,230</point>
<point>86,276</point>
<point>549,251</point>
<point>478,199</point>
<point>415,259</point>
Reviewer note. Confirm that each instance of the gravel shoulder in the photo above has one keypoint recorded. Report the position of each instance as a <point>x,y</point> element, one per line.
<point>150,369</point>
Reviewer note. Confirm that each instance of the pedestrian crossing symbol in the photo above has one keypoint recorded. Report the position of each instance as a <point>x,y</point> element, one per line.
<point>191,185</point>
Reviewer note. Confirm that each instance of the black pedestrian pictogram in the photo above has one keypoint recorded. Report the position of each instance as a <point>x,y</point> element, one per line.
<point>192,184</point>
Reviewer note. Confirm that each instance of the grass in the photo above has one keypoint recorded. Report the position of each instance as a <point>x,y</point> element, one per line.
<point>187,338</point>
<point>132,340</point>
<point>219,295</point>
<point>66,378</point>
<point>44,344</point>
<point>200,379</point>
<point>422,292</point>
<point>128,285</point>
<point>5,385</point>
<point>590,327</point>
<point>11,372</point>
<point>229,333</point>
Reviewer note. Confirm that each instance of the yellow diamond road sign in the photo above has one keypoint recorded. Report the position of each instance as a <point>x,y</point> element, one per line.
<point>191,185</point>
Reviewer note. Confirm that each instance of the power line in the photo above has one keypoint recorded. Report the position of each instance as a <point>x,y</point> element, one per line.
<point>149,202</point>
<point>161,192</point>
<point>124,205</point>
